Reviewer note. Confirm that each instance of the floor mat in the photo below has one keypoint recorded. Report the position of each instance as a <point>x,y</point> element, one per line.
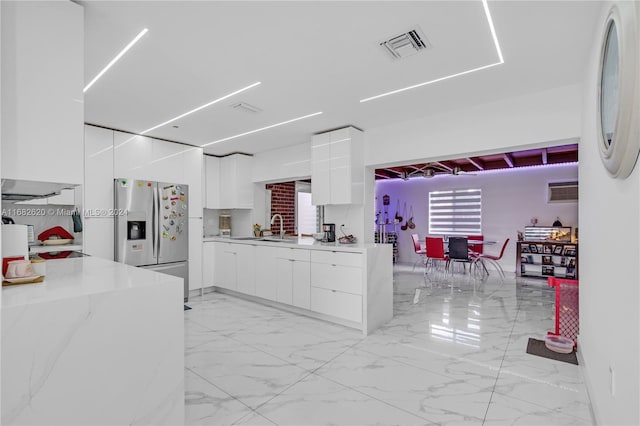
<point>537,347</point>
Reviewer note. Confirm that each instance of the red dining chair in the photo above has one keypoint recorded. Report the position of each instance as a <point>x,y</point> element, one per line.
<point>435,252</point>
<point>475,249</point>
<point>417,248</point>
<point>494,259</point>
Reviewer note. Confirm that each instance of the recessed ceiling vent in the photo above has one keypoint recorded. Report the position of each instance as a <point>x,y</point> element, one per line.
<point>563,192</point>
<point>406,44</point>
<point>243,106</point>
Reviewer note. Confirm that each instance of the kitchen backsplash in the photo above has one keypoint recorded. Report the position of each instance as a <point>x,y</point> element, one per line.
<point>42,217</point>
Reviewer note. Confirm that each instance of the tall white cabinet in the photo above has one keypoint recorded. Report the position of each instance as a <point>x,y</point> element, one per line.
<point>112,154</point>
<point>337,167</point>
<point>42,99</point>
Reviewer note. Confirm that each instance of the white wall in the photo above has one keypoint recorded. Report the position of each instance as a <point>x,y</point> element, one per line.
<point>609,272</point>
<point>533,120</point>
<point>510,198</point>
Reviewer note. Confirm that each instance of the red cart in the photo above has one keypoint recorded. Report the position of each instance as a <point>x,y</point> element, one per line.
<point>567,308</point>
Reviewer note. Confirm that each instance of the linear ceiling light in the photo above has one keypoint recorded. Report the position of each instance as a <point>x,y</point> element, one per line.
<point>498,51</point>
<point>114,60</point>
<point>262,128</point>
<point>201,107</point>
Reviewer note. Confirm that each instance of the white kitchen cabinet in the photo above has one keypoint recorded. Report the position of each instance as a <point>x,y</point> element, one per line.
<point>265,267</point>
<point>192,159</point>
<point>208,261</point>
<point>195,253</point>
<point>225,267</point>
<point>98,163</point>
<point>245,261</point>
<point>97,237</point>
<point>167,164</point>
<point>337,282</point>
<point>293,277</point>
<point>212,182</point>
<point>337,167</point>
<point>228,182</point>
<point>132,156</point>
<point>42,99</point>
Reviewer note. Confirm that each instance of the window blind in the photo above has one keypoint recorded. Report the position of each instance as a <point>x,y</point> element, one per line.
<point>455,212</point>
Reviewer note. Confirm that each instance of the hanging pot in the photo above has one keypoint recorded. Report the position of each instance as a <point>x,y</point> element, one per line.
<point>410,223</point>
<point>398,217</point>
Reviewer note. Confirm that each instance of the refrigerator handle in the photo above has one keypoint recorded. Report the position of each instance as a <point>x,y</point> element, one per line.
<point>154,225</point>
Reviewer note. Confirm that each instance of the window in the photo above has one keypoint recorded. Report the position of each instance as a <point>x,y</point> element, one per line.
<point>306,213</point>
<point>455,212</point>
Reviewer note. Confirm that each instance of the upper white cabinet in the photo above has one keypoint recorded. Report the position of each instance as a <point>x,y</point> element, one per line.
<point>141,157</point>
<point>212,182</point>
<point>228,182</point>
<point>337,167</point>
<point>98,162</point>
<point>42,100</point>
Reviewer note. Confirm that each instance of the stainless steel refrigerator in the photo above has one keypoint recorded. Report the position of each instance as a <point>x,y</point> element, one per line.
<point>152,226</point>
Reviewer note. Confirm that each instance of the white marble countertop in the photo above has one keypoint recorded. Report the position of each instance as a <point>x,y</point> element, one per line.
<point>298,243</point>
<point>83,276</point>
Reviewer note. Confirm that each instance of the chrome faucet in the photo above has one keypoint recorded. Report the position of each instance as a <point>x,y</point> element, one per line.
<point>273,219</point>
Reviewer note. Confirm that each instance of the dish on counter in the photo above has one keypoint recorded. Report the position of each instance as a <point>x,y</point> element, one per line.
<point>21,280</point>
<point>57,242</point>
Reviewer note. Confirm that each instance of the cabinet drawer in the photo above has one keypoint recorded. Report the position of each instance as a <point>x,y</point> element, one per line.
<point>337,258</point>
<point>337,277</point>
<point>291,253</point>
<point>337,304</point>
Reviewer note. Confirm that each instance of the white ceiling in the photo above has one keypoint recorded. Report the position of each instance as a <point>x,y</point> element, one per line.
<point>317,56</point>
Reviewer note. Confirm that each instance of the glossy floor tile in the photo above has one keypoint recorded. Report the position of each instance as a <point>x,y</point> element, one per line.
<point>454,354</point>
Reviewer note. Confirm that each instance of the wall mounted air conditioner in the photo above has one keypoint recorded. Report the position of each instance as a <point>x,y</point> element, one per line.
<point>563,192</point>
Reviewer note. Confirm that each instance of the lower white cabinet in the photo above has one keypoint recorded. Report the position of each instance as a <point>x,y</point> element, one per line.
<point>245,268</point>
<point>293,272</point>
<point>208,260</point>
<point>337,304</point>
<point>332,283</point>
<point>225,267</point>
<point>265,272</point>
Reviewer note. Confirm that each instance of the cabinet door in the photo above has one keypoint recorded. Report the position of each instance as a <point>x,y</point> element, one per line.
<point>225,266</point>
<point>42,99</point>
<point>340,167</point>
<point>195,253</point>
<point>244,185</point>
<point>208,262</point>
<point>97,235</point>
<point>337,304</point>
<point>167,162</point>
<point>98,163</point>
<point>227,183</point>
<point>212,182</point>
<point>132,156</point>
<point>321,169</point>
<point>245,258</point>
<point>265,275</point>
<point>192,159</point>
<point>284,280</point>
<point>301,277</point>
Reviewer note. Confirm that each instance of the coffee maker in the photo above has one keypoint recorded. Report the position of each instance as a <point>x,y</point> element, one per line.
<point>329,230</point>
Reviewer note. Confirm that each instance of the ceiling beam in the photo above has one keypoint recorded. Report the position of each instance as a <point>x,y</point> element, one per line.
<point>398,172</point>
<point>477,163</point>
<point>382,176</point>
<point>508,159</point>
<point>444,166</point>
<point>544,156</point>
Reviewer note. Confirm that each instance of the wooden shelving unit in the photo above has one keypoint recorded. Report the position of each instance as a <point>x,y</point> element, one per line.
<point>547,259</point>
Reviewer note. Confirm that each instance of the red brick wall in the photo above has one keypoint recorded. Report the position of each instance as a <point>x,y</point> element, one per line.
<point>283,201</point>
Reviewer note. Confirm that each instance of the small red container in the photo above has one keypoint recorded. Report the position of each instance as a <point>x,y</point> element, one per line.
<point>5,263</point>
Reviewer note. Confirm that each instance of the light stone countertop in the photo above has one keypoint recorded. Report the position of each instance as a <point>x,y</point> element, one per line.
<point>307,243</point>
<point>82,276</point>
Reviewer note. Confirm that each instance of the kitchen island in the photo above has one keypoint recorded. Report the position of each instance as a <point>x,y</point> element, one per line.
<point>98,342</point>
<point>348,284</point>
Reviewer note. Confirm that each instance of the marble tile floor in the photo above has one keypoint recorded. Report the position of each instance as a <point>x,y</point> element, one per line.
<point>454,354</point>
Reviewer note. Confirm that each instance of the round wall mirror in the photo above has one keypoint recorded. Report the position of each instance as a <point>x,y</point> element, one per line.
<point>618,90</point>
